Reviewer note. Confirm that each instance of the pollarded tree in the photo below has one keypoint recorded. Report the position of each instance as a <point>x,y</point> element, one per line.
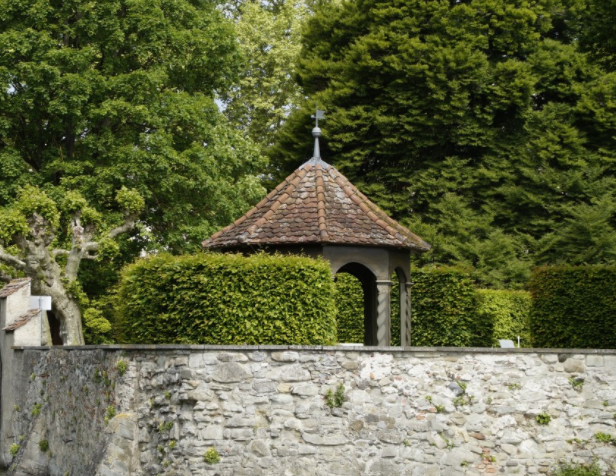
<point>33,242</point>
<point>97,96</point>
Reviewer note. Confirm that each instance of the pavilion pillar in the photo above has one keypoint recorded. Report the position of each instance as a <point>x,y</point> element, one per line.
<point>383,313</point>
<point>405,314</point>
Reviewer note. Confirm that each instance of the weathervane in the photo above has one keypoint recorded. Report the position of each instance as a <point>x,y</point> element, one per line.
<point>316,133</point>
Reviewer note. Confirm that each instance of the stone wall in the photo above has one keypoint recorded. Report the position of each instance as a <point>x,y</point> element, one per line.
<point>57,420</point>
<point>264,411</point>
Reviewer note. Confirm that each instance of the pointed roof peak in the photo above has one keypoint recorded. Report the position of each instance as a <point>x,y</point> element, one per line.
<point>316,204</point>
<point>314,162</point>
<point>316,133</point>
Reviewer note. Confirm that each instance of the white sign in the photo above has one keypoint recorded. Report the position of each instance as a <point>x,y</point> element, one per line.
<point>507,344</point>
<point>40,302</point>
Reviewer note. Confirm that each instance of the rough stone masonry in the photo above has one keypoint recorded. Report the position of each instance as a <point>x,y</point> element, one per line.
<point>270,411</point>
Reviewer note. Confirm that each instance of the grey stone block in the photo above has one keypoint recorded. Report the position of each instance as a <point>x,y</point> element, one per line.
<point>327,440</point>
<point>594,360</point>
<point>574,366</point>
<point>230,372</point>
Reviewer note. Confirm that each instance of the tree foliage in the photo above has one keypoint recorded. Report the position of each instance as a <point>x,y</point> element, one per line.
<point>596,20</point>
<point>107,108</point>
<point>482,123</point>
<point>98,96</point>
<point>269,35</point>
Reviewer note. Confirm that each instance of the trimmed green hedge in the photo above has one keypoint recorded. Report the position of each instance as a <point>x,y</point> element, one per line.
<point>349,298</point>
<point>444,305</point>
<point>212,298</point>
<point>574,307</point>
<point>504,315</point>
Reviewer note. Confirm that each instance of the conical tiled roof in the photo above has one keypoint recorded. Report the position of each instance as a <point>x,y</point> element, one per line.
<point>316,204</point>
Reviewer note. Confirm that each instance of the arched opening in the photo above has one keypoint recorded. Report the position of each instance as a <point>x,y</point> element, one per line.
<point>349,300</point>
<point>54,329</point>
<point>359,309</point>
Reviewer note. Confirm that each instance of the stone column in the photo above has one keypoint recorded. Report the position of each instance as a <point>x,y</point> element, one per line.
<point>405,314</point>
<point>383,313</point>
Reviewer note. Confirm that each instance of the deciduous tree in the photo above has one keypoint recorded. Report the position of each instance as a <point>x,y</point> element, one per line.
<point>96,97</point>
<point>269,35</point>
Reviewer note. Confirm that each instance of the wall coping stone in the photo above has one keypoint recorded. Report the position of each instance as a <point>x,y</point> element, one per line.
<point>323,348</point>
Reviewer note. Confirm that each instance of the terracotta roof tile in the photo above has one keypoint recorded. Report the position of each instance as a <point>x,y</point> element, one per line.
<point>22,320</point>
<point>316,204</point>
<point>13,286</point>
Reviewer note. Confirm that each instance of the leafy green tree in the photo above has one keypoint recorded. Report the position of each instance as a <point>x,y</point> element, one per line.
<point>482,109</point>
<point>33,243</point>
<point>99,97</point>
<point>269,35</point>
<point>596,20</point>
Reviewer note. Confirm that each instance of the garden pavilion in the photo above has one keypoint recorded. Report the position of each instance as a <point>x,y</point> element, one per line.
<point>316,211</point>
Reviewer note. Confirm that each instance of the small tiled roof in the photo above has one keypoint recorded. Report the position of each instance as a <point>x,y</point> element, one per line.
<point>316,204</point>
<point>22,320</point>
<point>13,286</point>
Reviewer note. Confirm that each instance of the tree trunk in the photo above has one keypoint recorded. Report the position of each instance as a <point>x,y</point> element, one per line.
<point>48,277</point>
<point>65,308</point>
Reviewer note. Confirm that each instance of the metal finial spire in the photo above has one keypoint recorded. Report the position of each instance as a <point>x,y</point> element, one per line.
<point>316,133</point>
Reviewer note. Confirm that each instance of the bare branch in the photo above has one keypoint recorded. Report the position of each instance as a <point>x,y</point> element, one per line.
<point>90,246</point>
<point>55,253</point>
<point>128,225</point>
<point>83,248</point>
<point>11,260</point>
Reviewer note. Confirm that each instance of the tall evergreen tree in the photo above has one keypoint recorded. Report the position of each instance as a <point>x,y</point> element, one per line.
<point>484,109</point>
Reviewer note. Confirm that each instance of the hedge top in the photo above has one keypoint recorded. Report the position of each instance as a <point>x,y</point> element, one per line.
<point>212,298</point>
<point>316,204</point>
